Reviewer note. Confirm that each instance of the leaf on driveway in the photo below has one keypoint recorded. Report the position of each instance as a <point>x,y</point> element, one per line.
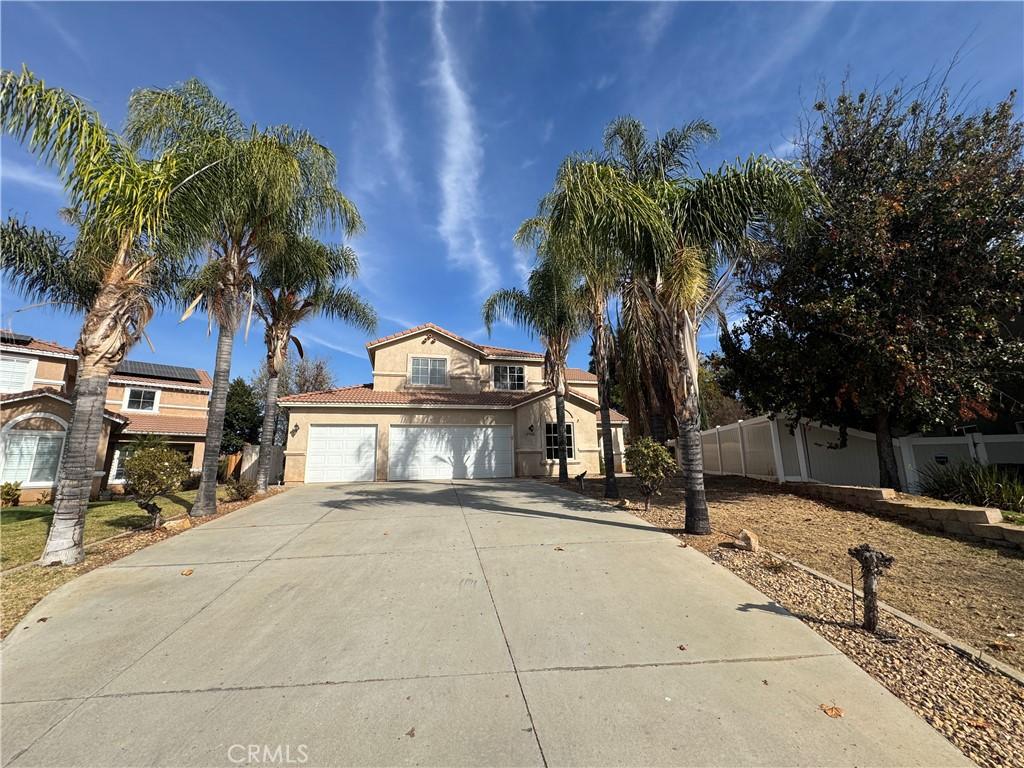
<point>682,647</point>
<point>833,711</point>
<point>187,572</point>
<point>559,549</point>
<point>411,733</point>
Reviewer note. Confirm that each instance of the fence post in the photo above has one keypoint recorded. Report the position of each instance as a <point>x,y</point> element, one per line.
<point>780,469</point>
<point>743,448</point>
<point>909,468</point>
<point>980,452</point>
<point>718,439</point>
<point>801,451</point>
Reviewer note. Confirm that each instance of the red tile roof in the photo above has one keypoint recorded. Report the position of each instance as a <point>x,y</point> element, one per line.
<point>146,424</point>
<point>578,375</point>
<point>366,394</point>
<point>505,352</point>
<point>38,345</point>
<point>56,394</point>
<point>485,349</point>
<point>205,382</point>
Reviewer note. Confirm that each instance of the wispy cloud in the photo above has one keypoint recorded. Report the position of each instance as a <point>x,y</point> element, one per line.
<point>384,96</point>
<point>654,23</point>
<point>67,37</point>
<point>461,167</point>
<point>14,172</point>
<point>791,43</point>
<point>306,336</point>
<point>547,131</point>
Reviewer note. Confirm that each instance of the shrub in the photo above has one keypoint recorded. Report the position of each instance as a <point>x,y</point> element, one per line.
<point>192,481</point>
<point>241,489</point>
<point>651,464</point>
<point>10,494</point>
<point>986,486</point>
<point>154,471</point>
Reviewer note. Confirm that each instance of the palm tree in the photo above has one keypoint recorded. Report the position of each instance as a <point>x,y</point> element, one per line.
<point>278,180</point>
<point>553,307</point>
<point>136,217</point>
<point>679,239</point>
<point>298,283</point>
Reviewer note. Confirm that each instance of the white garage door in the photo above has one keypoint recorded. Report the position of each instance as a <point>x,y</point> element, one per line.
<point>340,454</point>
<point>444,453</point>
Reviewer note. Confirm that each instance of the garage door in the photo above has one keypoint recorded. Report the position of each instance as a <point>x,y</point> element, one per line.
<point>444,453</point>
<point>340,454</point>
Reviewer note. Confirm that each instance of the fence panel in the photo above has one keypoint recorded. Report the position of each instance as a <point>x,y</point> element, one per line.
<point>709,440</point>
<point>732,462</point>
<point>759,453</point>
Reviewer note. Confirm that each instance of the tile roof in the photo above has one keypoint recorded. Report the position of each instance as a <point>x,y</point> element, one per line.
<point>578,375</point>
<point>366,394</point>
<point>205,382</point>
<point>486,349</point>
<point>154,424</point>
<point>56,394</point>
<point>38,345</point>
<point>506,352</point>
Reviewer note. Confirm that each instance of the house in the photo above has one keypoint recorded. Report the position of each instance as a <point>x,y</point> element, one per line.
<point>440,407</point>
<point>36,381</point>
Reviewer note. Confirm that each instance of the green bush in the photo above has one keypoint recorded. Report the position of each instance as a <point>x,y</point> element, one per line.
<point>154,471</point>
<point>985,486</point>
<point>10,494</point>
<point>241,489</point>
<point>651,464</point>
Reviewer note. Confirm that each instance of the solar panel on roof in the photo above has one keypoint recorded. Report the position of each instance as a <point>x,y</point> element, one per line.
<point>157,371</point>
<point>10,337</point>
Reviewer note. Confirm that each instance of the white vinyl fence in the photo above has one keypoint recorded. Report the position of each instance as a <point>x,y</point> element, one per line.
<point>764,448</point>
<point>251,463</point>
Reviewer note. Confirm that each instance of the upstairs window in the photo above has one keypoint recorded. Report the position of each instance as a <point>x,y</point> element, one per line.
<point>14,374</point>
<point>429,371</point>
<point>509,377</point>
<point>141,400</point>
<point>551,441</point>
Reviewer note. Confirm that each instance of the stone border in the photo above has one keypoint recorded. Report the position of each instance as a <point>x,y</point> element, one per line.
<point>971,523</point>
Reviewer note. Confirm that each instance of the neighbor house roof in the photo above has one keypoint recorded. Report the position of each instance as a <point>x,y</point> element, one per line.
<point>484,349</point>
<point>203,385</point>
<point>16,342</point>
<point>49,392</point>
<point>579,376</point>
<point>154,424</point>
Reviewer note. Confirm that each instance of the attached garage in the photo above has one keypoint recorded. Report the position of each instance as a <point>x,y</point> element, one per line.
<point>446,453</point>
<point>339,453</point>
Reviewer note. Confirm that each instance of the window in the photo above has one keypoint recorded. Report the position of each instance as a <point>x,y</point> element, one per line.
<point>509,377</point>
<point>31,458</point>
<point>551,441</point>
<point>430,371</point>
<point>14,374</point>
<point>141,400</point>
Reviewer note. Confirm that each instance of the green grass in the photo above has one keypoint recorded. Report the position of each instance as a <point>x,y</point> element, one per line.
<point>23,529</point>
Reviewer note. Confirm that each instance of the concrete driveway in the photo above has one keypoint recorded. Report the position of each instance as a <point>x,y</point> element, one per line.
<point>476,623</point>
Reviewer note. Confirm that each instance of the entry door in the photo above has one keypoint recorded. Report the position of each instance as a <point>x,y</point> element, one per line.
<point>445,453</point>
<point>340,454</point>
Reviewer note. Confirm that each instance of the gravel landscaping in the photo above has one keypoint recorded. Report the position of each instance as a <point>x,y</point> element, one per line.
<point>972,592</point>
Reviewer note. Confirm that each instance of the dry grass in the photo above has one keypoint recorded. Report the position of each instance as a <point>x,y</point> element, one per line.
<point>22,588</point>
<point>974,592</point>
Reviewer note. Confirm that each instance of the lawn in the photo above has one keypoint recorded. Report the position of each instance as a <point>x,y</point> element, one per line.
<point>23,529</point>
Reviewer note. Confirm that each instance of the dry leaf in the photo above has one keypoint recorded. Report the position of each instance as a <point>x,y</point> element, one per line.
<point>979,722</point>
<point>187,572</point>
<point>764,682</point>
<point>559,549</point>
<point>411,733</point>
<point>683,544</point>
<point>833,711</point>
<point>42,619</point>
<point>682,647</point>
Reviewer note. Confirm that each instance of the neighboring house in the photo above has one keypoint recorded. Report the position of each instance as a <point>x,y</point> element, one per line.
<point>36,381</point>
<point>440,407</point>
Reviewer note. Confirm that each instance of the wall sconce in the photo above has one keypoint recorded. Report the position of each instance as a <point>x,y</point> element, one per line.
<point>294,430</point>
<point>530,429</point>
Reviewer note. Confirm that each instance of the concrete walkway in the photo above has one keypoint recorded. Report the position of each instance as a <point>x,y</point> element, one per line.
<point>488,623</point>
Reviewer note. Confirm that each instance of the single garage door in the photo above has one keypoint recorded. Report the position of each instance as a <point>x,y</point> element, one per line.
<point>444,453</point>
<point>341,454</point>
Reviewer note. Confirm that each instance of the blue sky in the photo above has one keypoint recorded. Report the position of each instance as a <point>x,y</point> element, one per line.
<point>449,121</point>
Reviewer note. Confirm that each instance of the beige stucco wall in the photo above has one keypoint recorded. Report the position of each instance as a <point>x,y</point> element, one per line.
<point>173,402</point>
<point>531,460</point>
<point>56,373</point>
<point>393,363</point>
<point>45,405</point>
<point>534,372</point>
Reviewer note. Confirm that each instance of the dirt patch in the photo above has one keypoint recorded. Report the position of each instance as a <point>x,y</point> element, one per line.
<point>970,591</point>
<point>25,586</point>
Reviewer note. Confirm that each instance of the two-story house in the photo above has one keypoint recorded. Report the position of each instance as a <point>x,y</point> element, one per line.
<point>441,407</point>
<point>36,381</point>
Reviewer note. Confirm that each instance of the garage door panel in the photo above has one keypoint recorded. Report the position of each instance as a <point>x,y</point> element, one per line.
<point>445,453</point>
<point>341,453</point>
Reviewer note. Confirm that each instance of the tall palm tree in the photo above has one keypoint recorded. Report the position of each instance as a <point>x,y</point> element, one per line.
<point>136,218</point>
<point>552,307</point>
<point>278,180</point>
<point>296,284</point>
<point>679,240</point>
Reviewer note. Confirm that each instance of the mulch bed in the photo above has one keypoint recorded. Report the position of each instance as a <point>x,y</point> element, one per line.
<point>23,587</point>
<point>969,591</point>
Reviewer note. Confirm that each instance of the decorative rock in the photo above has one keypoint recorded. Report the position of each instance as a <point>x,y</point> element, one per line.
<point>748,541</point>
<point>181,524</point>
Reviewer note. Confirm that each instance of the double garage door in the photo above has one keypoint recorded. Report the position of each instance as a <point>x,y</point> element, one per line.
<point>339,453</point>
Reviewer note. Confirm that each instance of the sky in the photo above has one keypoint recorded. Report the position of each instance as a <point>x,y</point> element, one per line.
<point>449,121</point>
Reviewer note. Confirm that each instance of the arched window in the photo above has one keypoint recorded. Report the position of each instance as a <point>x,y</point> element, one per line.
<point>33,444</point>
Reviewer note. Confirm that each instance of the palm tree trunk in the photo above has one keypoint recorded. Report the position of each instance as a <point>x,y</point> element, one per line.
<point>267,435</point>
<point>698,520</point>
<point>888,473</point>
<point>77,467</point>
<point>563,452</point>
<point>206,497</point>
<point>611,486</point>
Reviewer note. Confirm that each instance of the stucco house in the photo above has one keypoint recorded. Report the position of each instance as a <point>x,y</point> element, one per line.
<point>441,406</point>
<point>37,378</point>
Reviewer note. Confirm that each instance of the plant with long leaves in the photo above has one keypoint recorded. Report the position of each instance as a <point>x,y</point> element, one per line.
<point>138,219</point>
<point>298,283</point>
<point>553,307</point>
<point>278,180</point>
